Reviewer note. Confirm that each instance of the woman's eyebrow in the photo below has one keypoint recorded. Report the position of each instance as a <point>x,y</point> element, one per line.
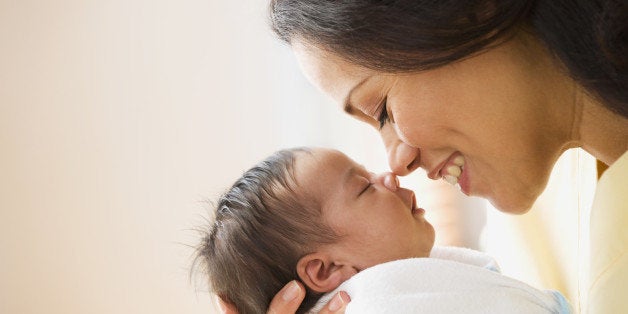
<point>348,107</point>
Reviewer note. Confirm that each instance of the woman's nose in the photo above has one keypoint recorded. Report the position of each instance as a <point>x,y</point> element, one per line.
<point>402,158</point>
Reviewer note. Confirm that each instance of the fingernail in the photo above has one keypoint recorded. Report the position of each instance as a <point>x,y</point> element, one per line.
<point>338,301</point>
<point>290,292</point>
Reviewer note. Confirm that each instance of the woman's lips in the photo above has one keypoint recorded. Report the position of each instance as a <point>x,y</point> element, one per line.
<point>464,182</point>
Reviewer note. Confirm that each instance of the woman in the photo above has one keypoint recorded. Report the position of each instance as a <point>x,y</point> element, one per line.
<point>506,85</point>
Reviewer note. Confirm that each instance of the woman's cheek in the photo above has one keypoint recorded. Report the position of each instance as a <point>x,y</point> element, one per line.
<point>417,134</point>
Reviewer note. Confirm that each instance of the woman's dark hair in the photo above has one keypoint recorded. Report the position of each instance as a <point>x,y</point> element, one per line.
<point>262,227</point>
<point>590,37</point>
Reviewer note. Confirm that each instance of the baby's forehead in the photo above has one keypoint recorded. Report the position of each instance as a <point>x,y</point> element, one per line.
<point>319,166</point>
<point>323,160</point>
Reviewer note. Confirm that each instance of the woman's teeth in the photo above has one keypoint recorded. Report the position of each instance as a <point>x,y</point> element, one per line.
<point>452,172</point>
<point>451,179</point>
<point>459,161</point>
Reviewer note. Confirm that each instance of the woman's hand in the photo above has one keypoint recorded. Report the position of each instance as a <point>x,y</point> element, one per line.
<point>288,299</point>
<point>337,305</point>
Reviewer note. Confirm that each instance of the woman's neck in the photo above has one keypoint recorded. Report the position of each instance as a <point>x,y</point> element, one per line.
<point>599,131</point>
<point>577,119</point>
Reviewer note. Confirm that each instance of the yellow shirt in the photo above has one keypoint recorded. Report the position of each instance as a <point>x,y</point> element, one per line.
<point>605,285</point>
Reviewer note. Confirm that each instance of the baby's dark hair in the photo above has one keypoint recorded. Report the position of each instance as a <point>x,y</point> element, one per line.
<point>262,227</point>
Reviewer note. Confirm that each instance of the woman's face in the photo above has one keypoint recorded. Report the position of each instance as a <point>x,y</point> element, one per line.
<point>375,224</point>
<point>490,113</point>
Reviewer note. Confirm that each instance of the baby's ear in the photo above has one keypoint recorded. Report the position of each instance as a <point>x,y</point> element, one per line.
<point>321,274</point>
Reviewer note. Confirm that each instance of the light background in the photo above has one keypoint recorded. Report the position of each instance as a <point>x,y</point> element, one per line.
<point>119,119</point>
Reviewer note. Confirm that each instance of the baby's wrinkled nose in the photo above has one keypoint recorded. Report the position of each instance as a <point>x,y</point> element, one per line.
<point>387,179</point>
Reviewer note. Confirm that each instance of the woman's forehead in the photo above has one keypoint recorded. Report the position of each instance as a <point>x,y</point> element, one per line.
<point>330,73</point>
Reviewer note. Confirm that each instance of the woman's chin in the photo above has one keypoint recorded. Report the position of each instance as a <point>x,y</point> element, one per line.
<point>516,206</point>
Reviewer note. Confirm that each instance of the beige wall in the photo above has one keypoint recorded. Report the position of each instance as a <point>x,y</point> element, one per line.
<point>114,119</point>
<point>118,119</point>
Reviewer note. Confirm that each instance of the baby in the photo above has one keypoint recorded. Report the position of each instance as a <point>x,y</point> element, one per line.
<point>317,216</point>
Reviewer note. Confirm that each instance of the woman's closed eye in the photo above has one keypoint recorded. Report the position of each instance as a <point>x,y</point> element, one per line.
<point>383,117</point>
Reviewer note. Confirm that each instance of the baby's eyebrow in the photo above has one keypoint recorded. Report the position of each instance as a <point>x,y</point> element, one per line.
<point>354,170</point>
<point>349,181</point>
<point>350,173</point>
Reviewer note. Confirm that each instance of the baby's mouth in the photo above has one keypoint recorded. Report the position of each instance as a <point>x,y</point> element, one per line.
<point>413,207</point>
<point>452,170</point>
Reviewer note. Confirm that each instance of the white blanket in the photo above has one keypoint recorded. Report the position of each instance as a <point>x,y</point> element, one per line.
<point>452,280</point>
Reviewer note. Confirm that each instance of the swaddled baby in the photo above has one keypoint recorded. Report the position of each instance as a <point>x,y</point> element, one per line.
<point>316,216</point>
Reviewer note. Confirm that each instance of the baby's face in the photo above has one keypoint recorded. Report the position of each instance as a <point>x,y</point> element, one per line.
<point>376,224</point>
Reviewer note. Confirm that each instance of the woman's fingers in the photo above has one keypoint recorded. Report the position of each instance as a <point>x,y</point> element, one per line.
<point>288,299</point>
<point>337,305</point>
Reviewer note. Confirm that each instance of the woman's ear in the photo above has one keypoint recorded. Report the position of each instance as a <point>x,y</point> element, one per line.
<point>321,274</point>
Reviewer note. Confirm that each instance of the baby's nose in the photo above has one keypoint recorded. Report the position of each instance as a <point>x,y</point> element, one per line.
<point>387,179</point>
